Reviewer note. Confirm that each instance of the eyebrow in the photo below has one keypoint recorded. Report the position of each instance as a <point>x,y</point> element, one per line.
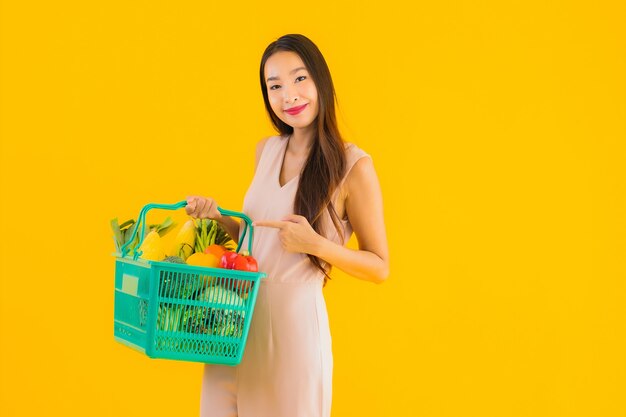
<point>290,72</point>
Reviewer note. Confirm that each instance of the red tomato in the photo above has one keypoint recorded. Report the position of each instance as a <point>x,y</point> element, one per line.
<point>246,263</point>
<point>227,260</point>
<point>240,262</point>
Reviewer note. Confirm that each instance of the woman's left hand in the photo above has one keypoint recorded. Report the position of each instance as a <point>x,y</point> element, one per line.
<point>295,233</point>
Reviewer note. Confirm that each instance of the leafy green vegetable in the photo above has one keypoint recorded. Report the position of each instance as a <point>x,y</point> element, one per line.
<point>223,312</point>
<point>216,320</point>
<point>213,321</point>
<point>181,285</point>
<point>169,317</point>
<point>122,232</point>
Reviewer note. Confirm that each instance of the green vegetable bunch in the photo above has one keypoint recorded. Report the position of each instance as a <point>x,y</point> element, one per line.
<point>216,320</point>
<point>181,285</point>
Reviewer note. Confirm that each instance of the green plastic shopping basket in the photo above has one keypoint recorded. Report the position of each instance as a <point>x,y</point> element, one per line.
<point>183,312</point>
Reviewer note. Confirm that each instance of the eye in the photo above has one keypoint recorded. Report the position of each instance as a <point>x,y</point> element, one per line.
<point>276,85</point>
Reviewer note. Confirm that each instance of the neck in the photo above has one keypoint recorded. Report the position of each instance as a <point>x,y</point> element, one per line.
<point>300,141</point>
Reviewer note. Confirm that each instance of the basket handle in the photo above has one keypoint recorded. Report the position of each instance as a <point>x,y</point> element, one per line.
<point>149,206</point>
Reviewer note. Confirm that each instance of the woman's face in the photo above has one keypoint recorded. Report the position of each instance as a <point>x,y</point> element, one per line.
<point>290,85</point>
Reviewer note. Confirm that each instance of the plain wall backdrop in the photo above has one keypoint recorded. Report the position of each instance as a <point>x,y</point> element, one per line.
<point>497,130</point>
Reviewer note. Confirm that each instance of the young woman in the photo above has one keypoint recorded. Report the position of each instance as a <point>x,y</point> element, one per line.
<point>310,191</point>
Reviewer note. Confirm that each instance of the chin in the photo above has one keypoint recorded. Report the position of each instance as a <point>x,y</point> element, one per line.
<point>299,124</point>
<point>302,124</point>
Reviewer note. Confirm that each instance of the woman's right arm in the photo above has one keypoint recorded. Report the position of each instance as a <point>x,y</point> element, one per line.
<point>230,225</point>
<point>200,207</point>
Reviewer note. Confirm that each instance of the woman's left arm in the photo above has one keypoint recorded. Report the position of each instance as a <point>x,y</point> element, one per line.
<point>364,205</point>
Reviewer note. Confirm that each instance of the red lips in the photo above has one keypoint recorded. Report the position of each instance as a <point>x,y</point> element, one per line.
<point>296,110</point>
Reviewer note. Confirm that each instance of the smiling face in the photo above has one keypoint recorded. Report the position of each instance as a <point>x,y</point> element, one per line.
<point>290,85</point>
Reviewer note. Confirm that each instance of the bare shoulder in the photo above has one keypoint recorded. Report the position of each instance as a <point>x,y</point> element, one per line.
<point>361,175</point>
<point>259,150</point>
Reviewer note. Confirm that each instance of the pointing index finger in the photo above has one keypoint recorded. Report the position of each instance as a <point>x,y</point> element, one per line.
<point>268,223</point>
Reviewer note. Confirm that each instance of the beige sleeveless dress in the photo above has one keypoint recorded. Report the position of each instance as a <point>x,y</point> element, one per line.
<point>287,365</point>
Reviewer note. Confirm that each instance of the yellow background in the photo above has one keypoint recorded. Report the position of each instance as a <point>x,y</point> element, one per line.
<point>497,130</point>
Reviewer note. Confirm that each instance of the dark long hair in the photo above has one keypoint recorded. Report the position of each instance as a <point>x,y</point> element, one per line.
<point>326,163</point>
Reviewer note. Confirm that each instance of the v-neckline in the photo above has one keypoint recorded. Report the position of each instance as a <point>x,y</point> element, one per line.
<point>280,167</point>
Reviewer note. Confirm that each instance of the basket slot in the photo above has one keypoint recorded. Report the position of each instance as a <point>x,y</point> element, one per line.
<point>181,285</point>
<point>196,303</point>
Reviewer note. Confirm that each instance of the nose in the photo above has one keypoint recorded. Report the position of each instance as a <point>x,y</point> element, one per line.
<point>290,95</point>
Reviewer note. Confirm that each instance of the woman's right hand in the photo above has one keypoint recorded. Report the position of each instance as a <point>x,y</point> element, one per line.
<point>200,207</point>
